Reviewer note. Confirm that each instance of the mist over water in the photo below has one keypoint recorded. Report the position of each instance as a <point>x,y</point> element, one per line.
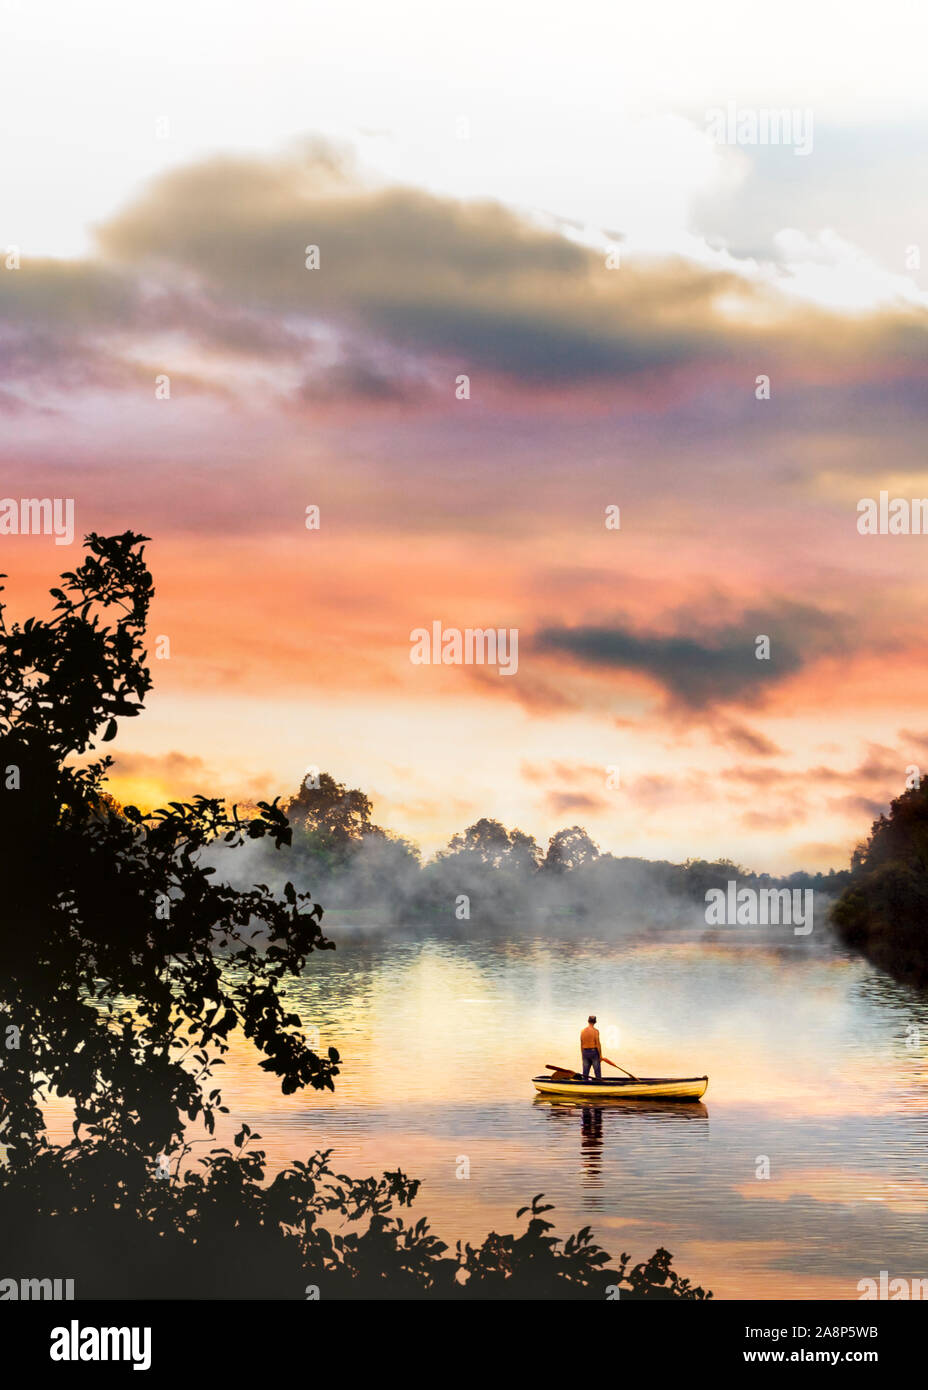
<point>810,1065</point>
<point>380,891</point>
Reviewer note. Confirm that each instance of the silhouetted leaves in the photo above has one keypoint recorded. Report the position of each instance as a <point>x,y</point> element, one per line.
<point>103,905</point>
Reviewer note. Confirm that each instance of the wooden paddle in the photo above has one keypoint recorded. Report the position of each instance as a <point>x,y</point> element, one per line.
<point>618,1068</point>
<point>565,1073</point>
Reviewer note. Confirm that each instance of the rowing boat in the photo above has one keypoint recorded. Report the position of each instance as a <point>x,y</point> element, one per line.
<point>624,1088</point>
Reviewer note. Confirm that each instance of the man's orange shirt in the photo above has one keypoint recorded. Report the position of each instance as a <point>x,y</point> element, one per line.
<point>590,1037</point>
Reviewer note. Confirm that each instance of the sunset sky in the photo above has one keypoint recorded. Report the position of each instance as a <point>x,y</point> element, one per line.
<point>555,222</point>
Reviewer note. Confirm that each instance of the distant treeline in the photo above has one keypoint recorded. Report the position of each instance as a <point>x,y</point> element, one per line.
<point>486,874</point>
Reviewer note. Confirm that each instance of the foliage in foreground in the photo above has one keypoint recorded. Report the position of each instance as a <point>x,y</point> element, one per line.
<point>94,1215</point>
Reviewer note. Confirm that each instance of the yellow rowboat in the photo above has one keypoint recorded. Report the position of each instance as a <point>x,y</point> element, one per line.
<point>622,1088</point>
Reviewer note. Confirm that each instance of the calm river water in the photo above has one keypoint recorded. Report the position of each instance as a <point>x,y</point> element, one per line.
<point>817,1063</point>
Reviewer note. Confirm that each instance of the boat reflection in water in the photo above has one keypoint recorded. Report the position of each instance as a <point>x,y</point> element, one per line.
<point>622,1136</point>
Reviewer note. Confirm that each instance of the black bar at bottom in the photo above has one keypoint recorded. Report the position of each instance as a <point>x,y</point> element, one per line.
<point>416,1340</point>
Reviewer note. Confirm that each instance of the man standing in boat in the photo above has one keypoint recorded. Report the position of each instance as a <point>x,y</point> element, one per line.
<point>591,1049</point>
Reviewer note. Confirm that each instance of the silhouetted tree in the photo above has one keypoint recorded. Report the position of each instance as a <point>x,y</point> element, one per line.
<point>883,912</point>
<point>569,850</point>
<point>488,843</point>
<point>524,852</point>
<point>487,840</point>
<point>324,805</point>
<point>102,906</point>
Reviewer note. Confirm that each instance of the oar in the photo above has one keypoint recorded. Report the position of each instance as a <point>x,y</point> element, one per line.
<point>566,1071</point>
<point>618,1068</point>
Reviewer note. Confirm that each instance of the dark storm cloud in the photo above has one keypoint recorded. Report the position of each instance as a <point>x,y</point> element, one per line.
<point>705,668</point>
<point>470,280</point>
<point>215,253</point>
<point>442,276</point>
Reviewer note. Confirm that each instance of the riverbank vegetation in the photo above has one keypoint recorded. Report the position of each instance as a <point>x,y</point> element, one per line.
<point>883,912</point>
<point>487,875</point>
